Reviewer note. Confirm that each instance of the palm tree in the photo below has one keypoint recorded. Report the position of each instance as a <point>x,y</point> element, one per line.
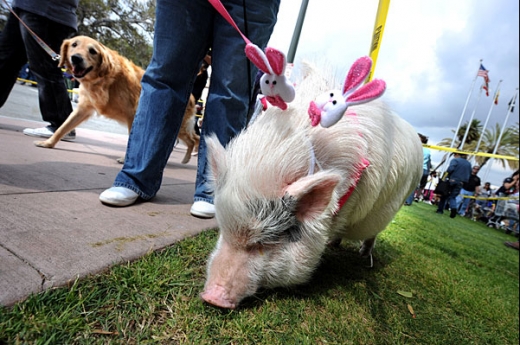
<point>473,134</point>
<point>508,143</point>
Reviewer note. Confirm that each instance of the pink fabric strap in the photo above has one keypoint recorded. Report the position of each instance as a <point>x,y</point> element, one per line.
<point>222,10</point>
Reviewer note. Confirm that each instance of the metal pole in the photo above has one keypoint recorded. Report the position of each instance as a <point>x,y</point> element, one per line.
<point>461,145</point>
<point>297,31</point>
<point>509,111</point>
<point>488,116</point>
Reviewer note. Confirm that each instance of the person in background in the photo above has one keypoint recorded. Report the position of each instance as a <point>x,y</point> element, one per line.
<point>432,182</point>
<point>418,192</point>
<point>184,32</point>
<point>459,172</point>
<point>52,21</point>
<point>469,188</point>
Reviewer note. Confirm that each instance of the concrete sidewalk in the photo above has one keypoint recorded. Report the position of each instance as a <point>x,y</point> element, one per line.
<point>53,229</point>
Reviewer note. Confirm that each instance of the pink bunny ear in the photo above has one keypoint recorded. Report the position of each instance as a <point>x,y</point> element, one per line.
<point>357,73</point>
<point>258,58</point>
<point>276,59</point>
<point>367,92</point>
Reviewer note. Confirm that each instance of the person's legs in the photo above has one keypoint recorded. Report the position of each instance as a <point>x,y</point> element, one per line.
<point>442,204</point>
<point>409,200</point>
<point>181,40</point>
<point>452,199</point>
<point>55,104</point>
<point>232,78</point>
<point>12,56</point>
<point>463,206</point>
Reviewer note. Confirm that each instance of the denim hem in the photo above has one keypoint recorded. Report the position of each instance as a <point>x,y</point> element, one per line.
<point>203,199</point>
<point>134,189</point>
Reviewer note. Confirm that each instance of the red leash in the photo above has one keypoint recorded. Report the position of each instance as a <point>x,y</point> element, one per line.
<point>44,45</point>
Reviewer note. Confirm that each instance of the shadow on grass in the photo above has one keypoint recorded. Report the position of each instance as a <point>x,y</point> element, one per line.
<point>342,271</point>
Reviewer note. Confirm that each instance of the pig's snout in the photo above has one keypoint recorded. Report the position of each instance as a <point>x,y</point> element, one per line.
<point>216,295</point>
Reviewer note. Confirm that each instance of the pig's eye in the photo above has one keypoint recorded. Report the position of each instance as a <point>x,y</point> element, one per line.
<point>293,233</point>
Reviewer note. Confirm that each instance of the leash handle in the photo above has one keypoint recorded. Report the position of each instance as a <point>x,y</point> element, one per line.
<point>44,45</point>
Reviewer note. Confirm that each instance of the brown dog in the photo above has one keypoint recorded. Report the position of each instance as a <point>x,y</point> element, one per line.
<point>110,85</point>
<point>187,132</point>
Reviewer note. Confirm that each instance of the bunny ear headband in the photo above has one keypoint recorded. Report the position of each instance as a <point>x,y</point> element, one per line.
<point>329,108</point>
<point>274,85</point>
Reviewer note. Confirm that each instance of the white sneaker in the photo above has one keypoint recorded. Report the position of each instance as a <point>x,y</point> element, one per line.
<point>118,196</point>
<point>47,132</point>
<point>202,209</point>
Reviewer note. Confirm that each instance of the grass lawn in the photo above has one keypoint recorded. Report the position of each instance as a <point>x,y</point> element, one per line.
<point>457,277</point>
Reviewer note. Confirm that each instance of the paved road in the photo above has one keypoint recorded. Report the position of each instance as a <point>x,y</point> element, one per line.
<point>53,229</point>
<point>23,104</point>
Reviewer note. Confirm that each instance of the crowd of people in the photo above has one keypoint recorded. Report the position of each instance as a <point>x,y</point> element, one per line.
<point>461,194</point>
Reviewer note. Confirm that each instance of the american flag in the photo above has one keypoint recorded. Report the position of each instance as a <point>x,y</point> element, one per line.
<point>482,72</point>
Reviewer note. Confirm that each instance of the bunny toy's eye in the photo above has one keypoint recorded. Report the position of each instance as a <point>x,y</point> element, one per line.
<point>274,82</point>
<point>334,102</point>
<point>267,81</point>
<point>332,94</point>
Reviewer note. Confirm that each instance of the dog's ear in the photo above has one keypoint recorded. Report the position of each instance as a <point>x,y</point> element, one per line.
<point>106,63</point>
<point>64,55</point>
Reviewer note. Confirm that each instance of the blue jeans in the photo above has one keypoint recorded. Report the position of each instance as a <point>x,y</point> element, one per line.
<point>184,31</point>
<point>410,198</point>
<point>462,202</point>
<point>17,46</point>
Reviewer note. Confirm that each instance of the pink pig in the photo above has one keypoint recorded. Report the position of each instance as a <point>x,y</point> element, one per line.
<point>284,189</point>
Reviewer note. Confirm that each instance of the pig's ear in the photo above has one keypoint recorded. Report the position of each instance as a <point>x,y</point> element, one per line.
<point>313,194</point>
<point>216,155</point>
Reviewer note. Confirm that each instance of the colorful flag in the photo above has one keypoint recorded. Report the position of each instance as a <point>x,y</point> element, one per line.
<point>511,104</point>
<point>496,97</point>
<point>485,86</point>
<point>482,72</point>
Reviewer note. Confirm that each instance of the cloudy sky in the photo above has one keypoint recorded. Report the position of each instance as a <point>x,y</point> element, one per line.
<point>429,55</point>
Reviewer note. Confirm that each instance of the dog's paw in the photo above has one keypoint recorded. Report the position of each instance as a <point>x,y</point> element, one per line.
<point>45,144</point>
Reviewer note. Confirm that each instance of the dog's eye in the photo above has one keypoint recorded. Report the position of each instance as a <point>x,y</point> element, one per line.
<point>92,51</point>
<point>74,45</point>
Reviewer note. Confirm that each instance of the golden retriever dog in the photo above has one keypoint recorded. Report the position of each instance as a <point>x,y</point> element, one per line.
<point>187,132</point>
<point>110,85</point>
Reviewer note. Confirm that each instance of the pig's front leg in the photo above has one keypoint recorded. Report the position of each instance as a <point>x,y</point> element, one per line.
<point>367,246</point>
<point>366,249</point>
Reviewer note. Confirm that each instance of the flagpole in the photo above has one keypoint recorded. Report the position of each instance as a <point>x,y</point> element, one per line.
<point>509,111</point>
<point>465,105</point>
<point>488,116</point>
<point>461,146</point>
<point>445,160</point>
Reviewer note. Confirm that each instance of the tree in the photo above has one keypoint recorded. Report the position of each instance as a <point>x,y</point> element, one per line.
<point>508,143</point>
<point>125,26</point>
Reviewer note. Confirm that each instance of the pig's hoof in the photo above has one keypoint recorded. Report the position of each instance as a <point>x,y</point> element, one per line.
<point>44,144</point>
<point>334,243</point>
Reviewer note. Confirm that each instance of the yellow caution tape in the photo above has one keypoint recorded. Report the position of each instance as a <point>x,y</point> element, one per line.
<point>489,198</point>
<point>470,153</point>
